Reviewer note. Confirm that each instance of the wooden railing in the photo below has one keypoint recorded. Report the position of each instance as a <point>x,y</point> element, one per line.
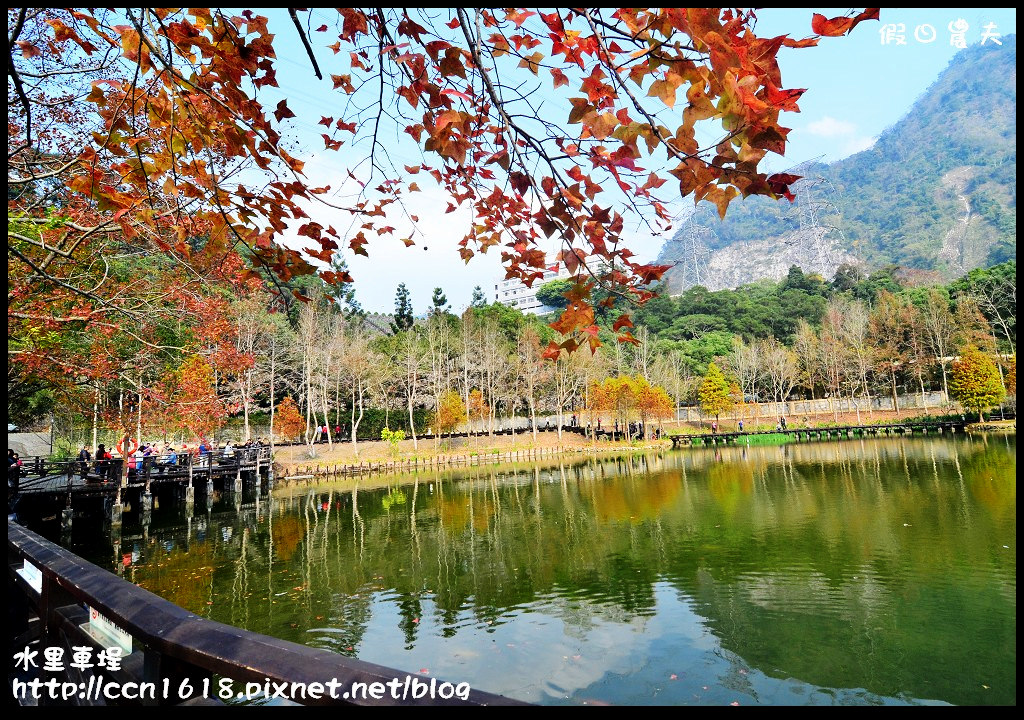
<point>172,648</point>
<point>827,432</point>
<point>37,472</point>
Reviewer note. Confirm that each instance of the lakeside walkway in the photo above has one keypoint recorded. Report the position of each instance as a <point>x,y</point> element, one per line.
<point>819,433</point>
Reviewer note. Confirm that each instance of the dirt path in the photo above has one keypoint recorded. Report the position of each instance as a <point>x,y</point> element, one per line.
<point>288,458</point>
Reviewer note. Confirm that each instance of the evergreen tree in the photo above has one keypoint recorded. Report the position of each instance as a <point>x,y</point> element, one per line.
<point>975,381</point>
<point>714,392</point>
<point>478,300</point>
<point>403,310</point>
<point>553,293</point>
<point>439,303</point>
<point>344,294</point>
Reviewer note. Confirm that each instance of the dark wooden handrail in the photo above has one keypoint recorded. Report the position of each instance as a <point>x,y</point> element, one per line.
<point>44,469</point>
<point>827,430</point>
<point>31,462</point>
<point>193,646</point>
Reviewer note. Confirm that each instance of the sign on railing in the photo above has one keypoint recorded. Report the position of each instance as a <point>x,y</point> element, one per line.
<point>105,632</point>
<point>183,651</point>
<point>32,575</point>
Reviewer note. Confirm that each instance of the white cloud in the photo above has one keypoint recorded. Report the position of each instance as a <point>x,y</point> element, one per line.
<point>830,127</point>
<point>433,261</point>
<point>841,137</point>
<point>857,144</point>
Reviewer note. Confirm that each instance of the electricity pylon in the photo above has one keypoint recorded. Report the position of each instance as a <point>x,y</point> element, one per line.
<point>818,216</point>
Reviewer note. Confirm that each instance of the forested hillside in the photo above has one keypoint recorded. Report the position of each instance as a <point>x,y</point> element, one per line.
<point>937,191</point>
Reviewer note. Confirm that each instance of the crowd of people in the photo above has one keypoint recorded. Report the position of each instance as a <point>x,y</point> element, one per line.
<point>323,432</point>
<point>164,456</point>
<point>98,467</point>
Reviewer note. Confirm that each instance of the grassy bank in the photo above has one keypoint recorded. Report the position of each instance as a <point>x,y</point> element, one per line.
<point>429,453</point>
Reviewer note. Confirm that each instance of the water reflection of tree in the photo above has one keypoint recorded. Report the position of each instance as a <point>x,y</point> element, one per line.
<point>183,577</point>
<point>769,543</point>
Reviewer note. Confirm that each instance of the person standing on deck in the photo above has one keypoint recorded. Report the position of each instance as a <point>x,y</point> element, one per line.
<point>171,458</point>
<point>101,462</point>
<point>83,461</point>
<point>13,470</point>
<point>137,459</point>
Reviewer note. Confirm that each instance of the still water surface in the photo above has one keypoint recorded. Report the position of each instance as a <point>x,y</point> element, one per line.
<point>854,572</point>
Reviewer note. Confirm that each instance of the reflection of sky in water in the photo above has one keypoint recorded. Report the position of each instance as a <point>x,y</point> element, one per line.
<point>567,652</point>
<point>862,572</point>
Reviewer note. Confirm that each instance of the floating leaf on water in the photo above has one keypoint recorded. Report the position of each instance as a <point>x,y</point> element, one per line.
<point>734,702</point>
<point>673,676</point>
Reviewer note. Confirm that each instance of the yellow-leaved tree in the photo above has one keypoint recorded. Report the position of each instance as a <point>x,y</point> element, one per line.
<point>714,393</point>
<point>450,413</point>
<point>975,381</point>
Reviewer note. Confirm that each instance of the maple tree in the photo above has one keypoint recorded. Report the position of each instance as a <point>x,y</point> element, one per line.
<point>652,402</point>
<point>630,398</point>
<point>450,413</point>
<point>479,410</point>
<point>890,330</point>
<point>145,132</point>
<point>191,398</point>
<point>288,422</point>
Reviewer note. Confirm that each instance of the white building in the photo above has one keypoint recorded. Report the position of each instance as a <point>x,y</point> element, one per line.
<point>515,294</point>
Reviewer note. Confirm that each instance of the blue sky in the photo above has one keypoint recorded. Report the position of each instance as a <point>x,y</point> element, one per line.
<point>856,87</point>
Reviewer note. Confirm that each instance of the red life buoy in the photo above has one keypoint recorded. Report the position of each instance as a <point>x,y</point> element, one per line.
<point>120,448</point>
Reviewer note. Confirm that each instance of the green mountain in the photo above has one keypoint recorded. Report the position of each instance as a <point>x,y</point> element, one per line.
<point>937,191</point>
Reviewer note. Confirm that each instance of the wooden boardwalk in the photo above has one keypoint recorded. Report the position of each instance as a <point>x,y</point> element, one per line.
<point>819,433</point>
<point>42,474</point>
<point>44,485</point>
<point>50,589</point>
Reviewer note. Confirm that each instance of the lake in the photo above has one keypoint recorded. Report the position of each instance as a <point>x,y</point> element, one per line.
<point>876,571</point>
